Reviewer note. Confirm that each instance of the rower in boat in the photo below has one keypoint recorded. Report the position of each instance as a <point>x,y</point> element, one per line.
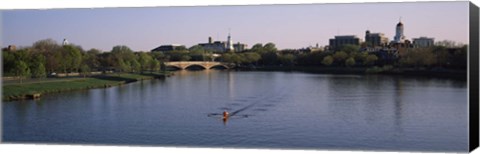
<point>225,114</point>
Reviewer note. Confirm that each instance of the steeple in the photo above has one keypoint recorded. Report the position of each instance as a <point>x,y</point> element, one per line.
<point>65,42</point>
<point>229,42</point>
<point>399,37</point>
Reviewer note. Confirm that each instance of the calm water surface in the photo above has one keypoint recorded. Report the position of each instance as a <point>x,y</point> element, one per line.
<point>272,110</point>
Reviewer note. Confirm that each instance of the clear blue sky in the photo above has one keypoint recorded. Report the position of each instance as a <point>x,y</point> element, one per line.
<point>288,26</point>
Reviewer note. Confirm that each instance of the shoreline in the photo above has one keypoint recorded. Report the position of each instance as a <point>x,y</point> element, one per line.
<point>444,74</point>
<point>25,91</point>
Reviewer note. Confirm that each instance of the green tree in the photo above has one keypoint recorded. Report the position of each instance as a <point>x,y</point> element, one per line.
<point>269,58</point>
<point>136,67</point>
<point>144,61</point>
<point>350,62</point>
<point>121,49</point>
<point>340,56</point>
<point>121,58</point>
<point>8,63</point>
<point>327,60</point>
<point>123,66</point>
<point>45,45</point>
<point>251,57</point>
<point>21,70</point>
<point>159,56</point>
<point>38,71</point>
<point>350,48</point>
<point>154,65</point>
<point>85,70</point>
<point>71,58</point>
<point>54,59</point>
<point>92,58</point>
<point>257,48</point>
<point>179,55</point>
<point>287,59</point>
<point>370,60</point>
<point>270,47</point>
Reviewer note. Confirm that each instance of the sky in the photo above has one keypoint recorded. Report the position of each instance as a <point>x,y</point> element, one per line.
<point>288,26</point>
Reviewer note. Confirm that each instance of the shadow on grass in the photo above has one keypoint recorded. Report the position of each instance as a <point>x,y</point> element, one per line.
<point>114,78</point>
<point>128,77</point>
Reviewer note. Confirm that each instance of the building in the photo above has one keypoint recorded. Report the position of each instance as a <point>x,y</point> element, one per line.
<point>375,39</point>
<point>65,42</point>
<point>423,42</point>
<point>10,48</point>
<point>339,41</point>
<point>400,41</point>
<point>166,48</point>
<point>399,37</point>
<point>215,46</point>
<point>223,46</point>
<point>239,47</point>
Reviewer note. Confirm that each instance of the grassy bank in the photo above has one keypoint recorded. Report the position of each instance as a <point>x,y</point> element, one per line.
<point>24,90</point>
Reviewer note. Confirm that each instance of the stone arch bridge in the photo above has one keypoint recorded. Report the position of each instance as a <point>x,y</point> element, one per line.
<point>204,64</point>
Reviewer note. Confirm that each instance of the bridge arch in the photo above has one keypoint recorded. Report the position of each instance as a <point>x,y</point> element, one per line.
<point>201,64</point>
<point>195,65</point>
<point>219,66</point>
<point>174,67</point>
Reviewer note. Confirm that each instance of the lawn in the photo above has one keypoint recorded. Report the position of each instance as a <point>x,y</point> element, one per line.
<point>22,90</point>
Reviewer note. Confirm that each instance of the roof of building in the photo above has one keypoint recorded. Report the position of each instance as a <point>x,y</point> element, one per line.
<point>400,24</point>
<point>345,36</point>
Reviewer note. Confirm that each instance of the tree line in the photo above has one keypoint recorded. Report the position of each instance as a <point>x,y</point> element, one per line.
<point>445,54</point>
<point>46,57</point>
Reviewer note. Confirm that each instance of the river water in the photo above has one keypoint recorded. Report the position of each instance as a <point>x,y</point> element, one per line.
<point>281,110</point>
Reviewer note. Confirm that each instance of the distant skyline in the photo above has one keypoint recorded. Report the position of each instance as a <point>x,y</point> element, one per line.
<point>288,26</point>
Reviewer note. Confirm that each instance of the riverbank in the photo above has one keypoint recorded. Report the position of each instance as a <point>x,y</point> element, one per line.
<point>37,89</point>
<point>434,73</point>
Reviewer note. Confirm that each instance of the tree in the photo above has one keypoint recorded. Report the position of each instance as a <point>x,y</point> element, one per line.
<point>257,48</point>
<point>45,45</point>
<point>350,48</point>
<point>71,58</point>
<point>251,57</point>
<point>196,48</point>
<point>123,66</point>
<point>121,49</point>
<point>350,62</point>
<point>270,47</point>
<point>340,56</point>
<point>228,58</point>
<point>158,56</point>
<point>144,60</point>
<point>370,60</point>
<point>328,60</point>
<point>359,56</point>
<point>418,57</point>
<point>287,59</point>
<point>179,55</point>
<point>269,58</point>
<point>136,67</point>
<point>121,58</point>
<point>21,70</point>
<point>54,59</point>
<point>8,63</point>
<point>84,70</point>
<point>38,71</point>
<point>154,65</point>
<point>448,44</point>
<point>92,58</point>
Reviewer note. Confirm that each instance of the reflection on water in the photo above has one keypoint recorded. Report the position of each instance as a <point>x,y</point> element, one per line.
<point>267,109</point>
